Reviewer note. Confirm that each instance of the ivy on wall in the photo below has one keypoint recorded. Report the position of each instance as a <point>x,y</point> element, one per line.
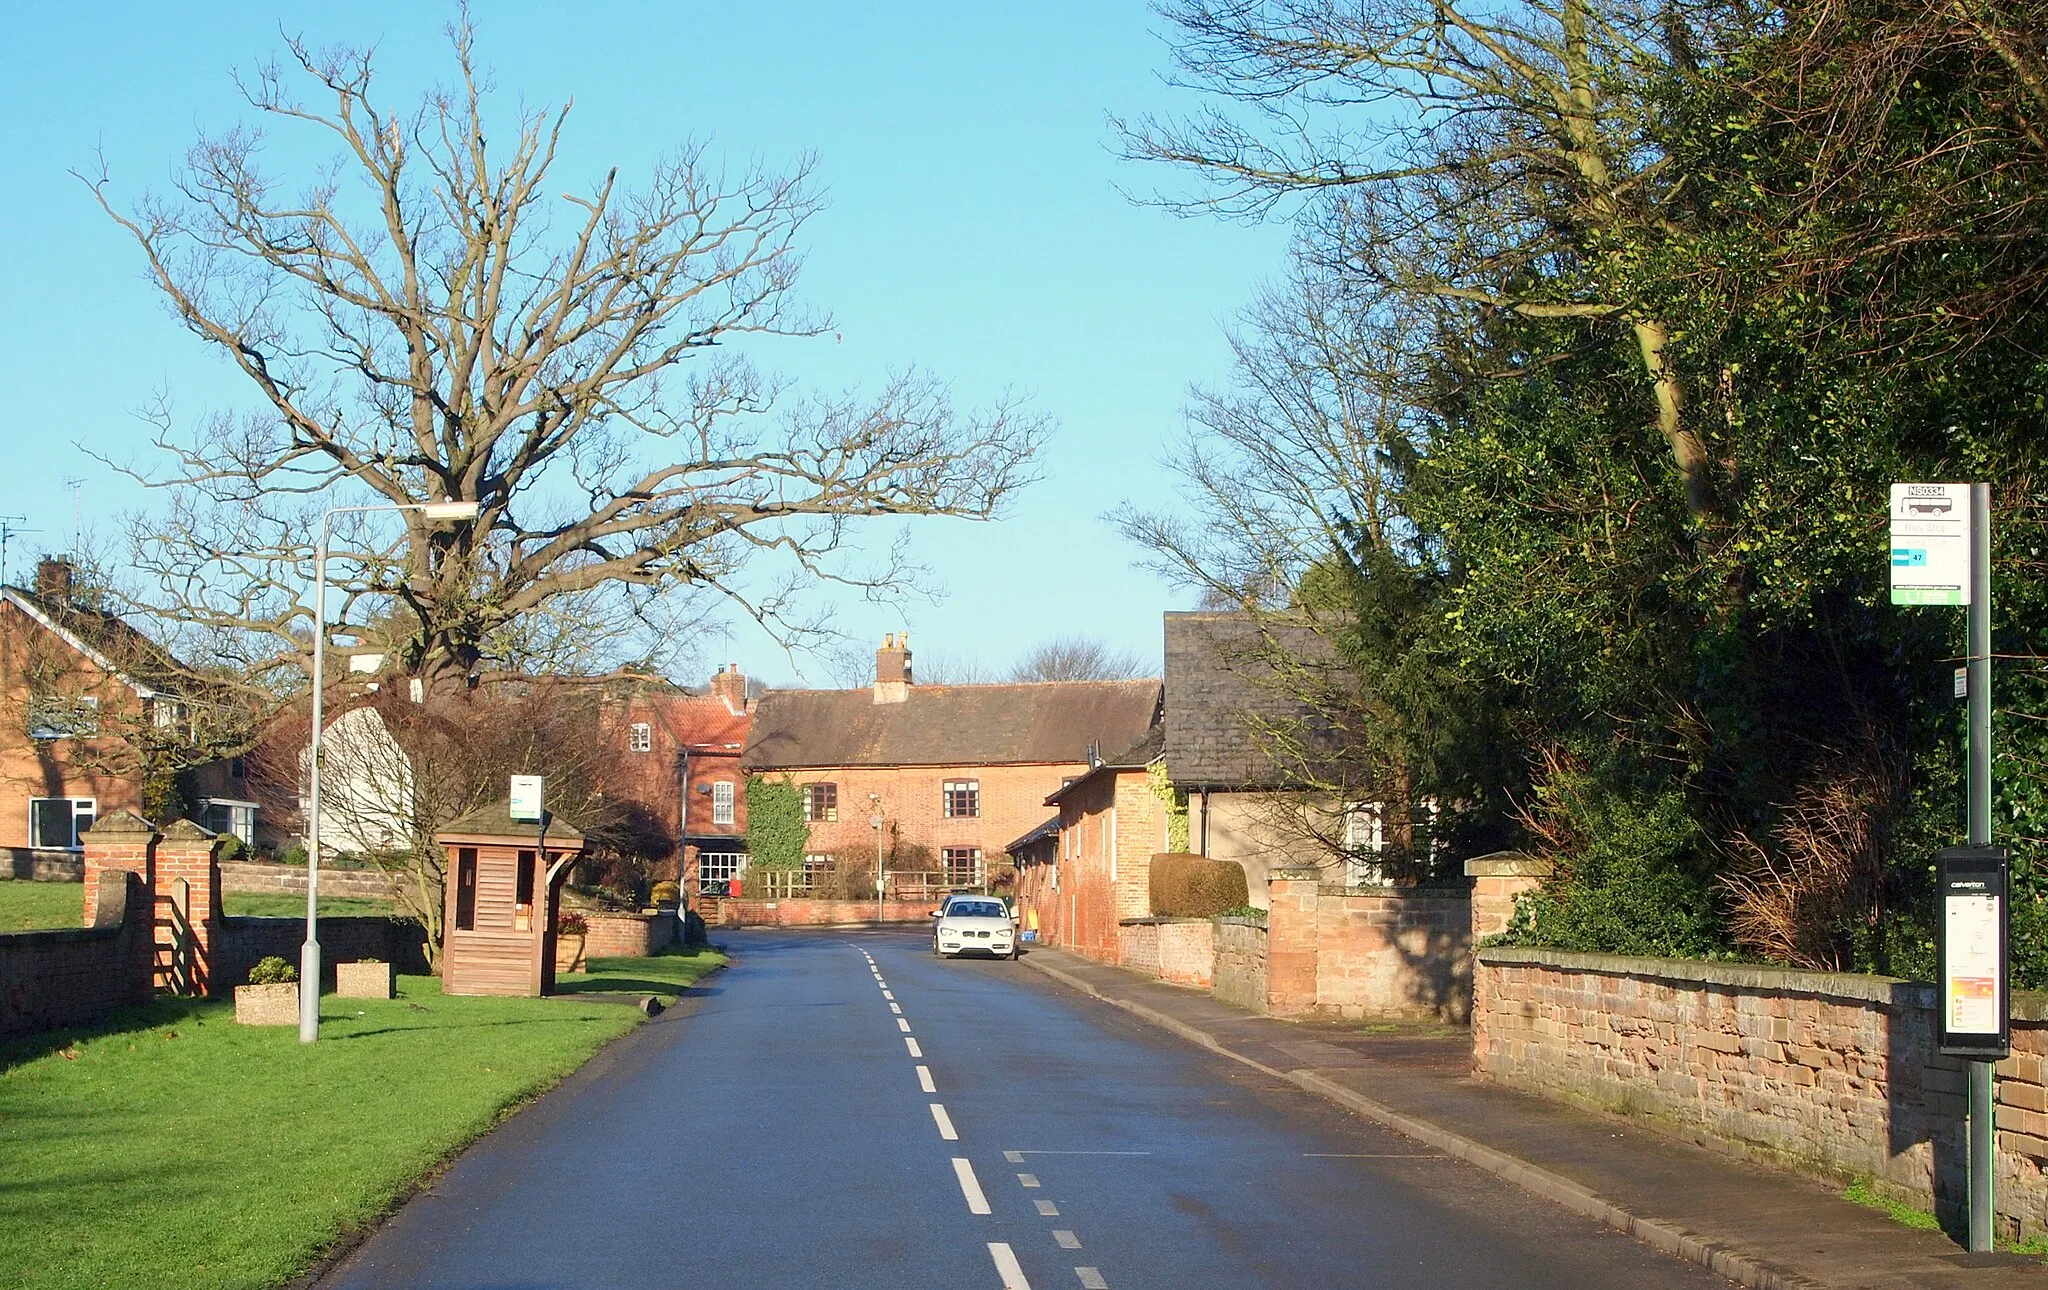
<point>777,834</point>
<point>1176,806</point>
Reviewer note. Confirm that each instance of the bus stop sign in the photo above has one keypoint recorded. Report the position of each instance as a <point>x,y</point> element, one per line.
<point>1974,929</point>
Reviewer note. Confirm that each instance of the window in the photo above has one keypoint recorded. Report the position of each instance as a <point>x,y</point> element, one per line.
<point>821,803</point>
<point>465,889</point>
<point>963,866</point>
<point>721,802</point>
<point>962,798</point>
<point>817,862</point>
<point>1364,839</point>
<point>231,817</point>
<point>55,822</point>
<point>167,714</point>
<point>57,716</point>
<point>640,737</point>
<point>717,868</point>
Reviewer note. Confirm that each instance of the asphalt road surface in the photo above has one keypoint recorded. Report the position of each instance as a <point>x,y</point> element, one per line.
<point>841,1109</point>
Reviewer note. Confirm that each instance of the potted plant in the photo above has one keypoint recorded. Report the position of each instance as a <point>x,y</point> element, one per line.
<point>272,996</point>
<point>570,930</point>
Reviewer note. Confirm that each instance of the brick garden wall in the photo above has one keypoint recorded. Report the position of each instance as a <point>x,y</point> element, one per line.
<point>356,884</point>
<point>66,977</point>
<point>797,912</point>
<point>614,936</point>
<point>1239,972</point>
<point>399,942</point>
<point>1179,951</point>
<point>1832,1072</point>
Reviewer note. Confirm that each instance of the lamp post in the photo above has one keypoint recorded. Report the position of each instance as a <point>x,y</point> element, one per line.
<point>881,871</point>
<point>309,953</point>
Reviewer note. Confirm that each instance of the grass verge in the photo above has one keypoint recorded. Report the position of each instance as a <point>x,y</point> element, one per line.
<point>171,1147</point>
<point>38,906</point>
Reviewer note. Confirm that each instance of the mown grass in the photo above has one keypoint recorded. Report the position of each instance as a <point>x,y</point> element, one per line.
<point>174,1148</point>
<point>36,906</point>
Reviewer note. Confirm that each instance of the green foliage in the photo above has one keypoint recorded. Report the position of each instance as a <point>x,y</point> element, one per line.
<point>1160,780</point>
<point>1638,882</point>
<point>1243,911</point>
<point>1186,886</point>
<point>777,835</point>
<point>272,970</point>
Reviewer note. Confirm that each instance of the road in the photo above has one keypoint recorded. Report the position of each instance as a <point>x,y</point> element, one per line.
<point>840,1109</point>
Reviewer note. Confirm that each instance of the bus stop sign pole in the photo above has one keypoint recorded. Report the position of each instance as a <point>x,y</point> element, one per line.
<point>1983,1134</point>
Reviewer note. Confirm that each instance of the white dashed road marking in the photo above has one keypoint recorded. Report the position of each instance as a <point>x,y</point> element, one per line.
<point>902,1025</point>
<point>1067,1240</point>
<point>945,1123</point>
<point>1006,1264</point>
<point>1091,1279</point>
<point>896,1008</point>
<point>1046,1209</point>
<point>911,1044</point>
<point>1014,1157</point>
<point>1027,1180</point>
<point>924,1079</point>
<point>970,1186</point>
<point>887,995</point>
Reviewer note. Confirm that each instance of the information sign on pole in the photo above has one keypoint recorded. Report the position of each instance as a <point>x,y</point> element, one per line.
<point>1930,544</point>
<point>1975,925</point>
<point>527,794</point>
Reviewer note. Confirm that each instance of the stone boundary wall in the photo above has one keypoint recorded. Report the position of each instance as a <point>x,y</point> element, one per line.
<point>69,976</point>
<point>1178,951</point>
<point>27,864</point>
<point>358,884</point>
<point>1393,952</point>
<point>245,939</point>
<point>1830,1072</point>
<point>804,912</point>
<point>1238,975</point>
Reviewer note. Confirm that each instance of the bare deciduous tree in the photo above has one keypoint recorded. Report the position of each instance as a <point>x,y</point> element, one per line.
<point>1077,658</point>
<point>432,316</point>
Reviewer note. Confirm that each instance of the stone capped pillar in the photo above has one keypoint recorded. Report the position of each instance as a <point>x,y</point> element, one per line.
<point>122,842</point>
<point>1498,880</point>
<point>188,912</point>
<point>1291,940</point>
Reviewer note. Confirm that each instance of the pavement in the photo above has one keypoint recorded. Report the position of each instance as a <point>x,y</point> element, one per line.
<point>839,1108</point>
<point>1752,1224</point>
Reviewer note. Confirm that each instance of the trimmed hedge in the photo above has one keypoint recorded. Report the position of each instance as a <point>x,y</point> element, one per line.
<point>1185,886</point>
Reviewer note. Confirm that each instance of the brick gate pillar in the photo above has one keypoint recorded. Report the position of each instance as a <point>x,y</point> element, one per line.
<point>116,843</point>
<point>1291,940</point>
<point>188,912</point>
<point>1498,881</point>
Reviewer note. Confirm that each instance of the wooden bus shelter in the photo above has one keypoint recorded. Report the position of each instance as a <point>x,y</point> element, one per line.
<point>502,892</point>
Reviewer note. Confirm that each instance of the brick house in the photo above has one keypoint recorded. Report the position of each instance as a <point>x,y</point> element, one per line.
<point>679,761</point>
<point>1078,877</point>
<point>955,771</point>
<point>77,685</point>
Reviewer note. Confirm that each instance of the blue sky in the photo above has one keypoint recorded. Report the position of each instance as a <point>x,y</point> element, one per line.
<point>975,229</point>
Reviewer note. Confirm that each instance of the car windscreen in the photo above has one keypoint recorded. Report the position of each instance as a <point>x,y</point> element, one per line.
<point>975,909</point>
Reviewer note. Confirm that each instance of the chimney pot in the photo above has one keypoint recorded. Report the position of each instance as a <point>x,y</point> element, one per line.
<point>892,669</point>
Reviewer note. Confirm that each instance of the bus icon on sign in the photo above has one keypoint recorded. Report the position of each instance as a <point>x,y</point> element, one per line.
<point>1930,505</point>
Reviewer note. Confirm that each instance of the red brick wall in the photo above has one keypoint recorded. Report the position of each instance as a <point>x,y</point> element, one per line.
<point>1179,951</point>
<point>63,978</point>
<point>627,935</point>
<point>1824,1071</point>
<point>1110,828</point>
<point>813,913</point>
<point>98,768</point>
<point>188,912</point>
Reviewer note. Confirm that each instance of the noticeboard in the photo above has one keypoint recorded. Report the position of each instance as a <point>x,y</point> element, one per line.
<point>1972,934</point>
<point>527,794</point>
<point>1930,544</point>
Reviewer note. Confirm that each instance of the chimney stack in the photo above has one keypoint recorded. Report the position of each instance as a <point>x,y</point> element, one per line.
<point>892,669</point>
<point>730,684</point>
<point>53,579</point>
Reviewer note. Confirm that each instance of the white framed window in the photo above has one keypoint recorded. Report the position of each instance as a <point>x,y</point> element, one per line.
<point>227,815</point>
<point>722,802</point>
<point>640,737</point>
<point>62,716</point>
<point>167,714</point>
<point>55,823</point>
<point>963,866</point>
<point>819,862</point>
<point>1364,840</point>
<point>715,869</point>
<point>962,798</point>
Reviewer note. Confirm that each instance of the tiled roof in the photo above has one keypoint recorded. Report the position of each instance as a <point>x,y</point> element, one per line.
<point>107,639</point>
<point>1222,690</point>
<point>699,722</point>
<point>949,725</point>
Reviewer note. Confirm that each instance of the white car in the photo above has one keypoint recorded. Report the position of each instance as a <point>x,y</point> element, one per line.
<point>973,925</point>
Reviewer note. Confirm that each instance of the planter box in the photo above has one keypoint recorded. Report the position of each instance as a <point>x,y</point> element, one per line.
<point>568,953</point>
<point>267,1005</point>
<point>369,979</point>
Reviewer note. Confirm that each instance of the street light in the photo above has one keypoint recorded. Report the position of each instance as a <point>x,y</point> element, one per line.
<point>309,953</point>
<point>880,872</point>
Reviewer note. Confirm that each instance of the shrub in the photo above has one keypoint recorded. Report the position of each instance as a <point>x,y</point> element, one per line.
<point>272,971</point>
<point>293,855</point>
<point>666,893</point>
<point>571,923</point>
<point>1243,911</point>
<point>233,848</point>
<point>1185,886</point>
